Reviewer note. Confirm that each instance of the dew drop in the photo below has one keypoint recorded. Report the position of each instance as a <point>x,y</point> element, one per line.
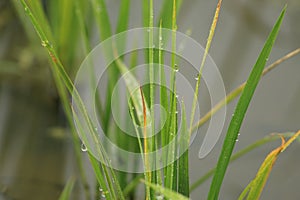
<point>83,147</point>
<point>176,96</point>
<point>26,9</point>
<point>176,112</point>
<point>100,189</point>
<point>44,43</point>
<point>237,140</point>
<point>176,68</point>
<point>160,38</point>
<point>196,78</point>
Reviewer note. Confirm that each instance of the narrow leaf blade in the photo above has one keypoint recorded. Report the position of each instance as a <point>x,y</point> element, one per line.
<point>66,194</point>
<point>240,111</point>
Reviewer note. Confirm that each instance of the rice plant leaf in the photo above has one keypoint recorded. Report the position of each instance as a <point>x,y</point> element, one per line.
<point>37,10</point>
<point>240,111</point>
<point>64,81</point>
<point>102,19</point>
<point>136,93</point>
<point>123,16</point>
<point>255,187</point>
<point>241,153</point>
<point>163,90</point>
<point>66,194</point>
<point>171,169</point>
<point>63,21</point>
<point>207,48</point>
<point>26,23</point>
<point>169,194</point>
<point>183,162</point>
<point>122,24</point>
<point>166,13</point>
<point>238,90</point>
<point>105,31</point>
<point>99,175</point>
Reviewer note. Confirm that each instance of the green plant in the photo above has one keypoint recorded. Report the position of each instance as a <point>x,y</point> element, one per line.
<point>61,31</point>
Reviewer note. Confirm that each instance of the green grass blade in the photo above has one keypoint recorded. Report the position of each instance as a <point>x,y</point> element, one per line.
<point>122,24</point>
<point>171,170</point>
<point>64,26</point>
<point>143,116</point>
<point>165,192</point>
<point>59,72</point>
<point>256,186</point>
<point>105,31</point>
<point>208,44</point>
<point>80,10</point>
<point>102,19</point>
<point>66,194</point>
<point>26,23</point>
<point>239,113</point>
<point>37,10</point>
<point>123,16</point>
<point>183,162</point>
<point>163,90</point>
<point>166,13</point>
<point>239,154</point>
<point>43,33</point>
<point>237,91</point>
<point>99,176</point>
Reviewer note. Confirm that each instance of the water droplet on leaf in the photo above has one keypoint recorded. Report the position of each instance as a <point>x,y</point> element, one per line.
<point>83,147</point>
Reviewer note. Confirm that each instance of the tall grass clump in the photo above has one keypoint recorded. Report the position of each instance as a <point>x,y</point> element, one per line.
<point>66,30</point>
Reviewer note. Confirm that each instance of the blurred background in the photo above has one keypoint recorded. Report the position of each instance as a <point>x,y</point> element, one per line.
<point>36,153</point>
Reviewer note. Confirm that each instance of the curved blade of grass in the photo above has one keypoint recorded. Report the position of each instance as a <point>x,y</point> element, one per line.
<point>240,111</point>
<point>66,194</point>
<point>142,110</point>
<point>79,10</point>
<point>239,154</point>
<point>44,34</point>
<point>183,162</point>
<point>26,23</point>
<point>255,187</point>
<point>59,72</point>
<point>237,91</point>
<point>169,194</point>
<point>208,44</point>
